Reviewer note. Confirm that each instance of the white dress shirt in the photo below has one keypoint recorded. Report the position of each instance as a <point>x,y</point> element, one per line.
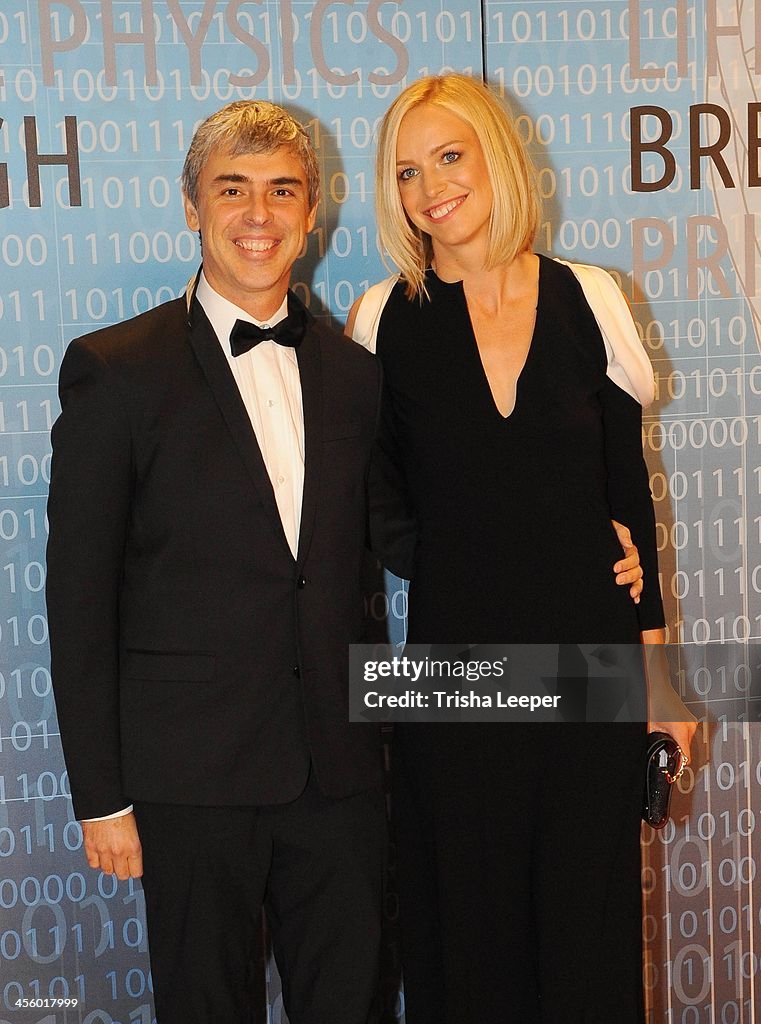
<point>268,380</point>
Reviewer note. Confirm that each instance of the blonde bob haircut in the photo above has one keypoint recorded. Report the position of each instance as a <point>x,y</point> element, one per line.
<point>515,212</point>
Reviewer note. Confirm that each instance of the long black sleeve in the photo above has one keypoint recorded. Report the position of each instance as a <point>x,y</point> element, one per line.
<point>629,494</point>
<point>88,511</point>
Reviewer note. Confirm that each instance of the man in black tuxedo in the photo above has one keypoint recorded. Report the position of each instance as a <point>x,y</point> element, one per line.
<point>207,519</point>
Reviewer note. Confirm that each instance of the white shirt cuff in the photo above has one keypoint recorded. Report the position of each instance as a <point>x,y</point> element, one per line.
<point>116,814</point>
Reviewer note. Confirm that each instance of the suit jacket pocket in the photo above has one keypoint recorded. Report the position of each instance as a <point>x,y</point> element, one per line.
<point>185,666</point>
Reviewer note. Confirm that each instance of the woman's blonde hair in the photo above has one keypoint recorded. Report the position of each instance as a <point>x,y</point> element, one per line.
<point>515,212</point>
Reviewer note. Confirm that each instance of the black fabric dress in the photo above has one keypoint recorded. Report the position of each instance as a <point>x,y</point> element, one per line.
<point>517,844</point>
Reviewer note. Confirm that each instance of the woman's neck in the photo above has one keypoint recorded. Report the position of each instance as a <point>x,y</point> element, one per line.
<point>489,289</point>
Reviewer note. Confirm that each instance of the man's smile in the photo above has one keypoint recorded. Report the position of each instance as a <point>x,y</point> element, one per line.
<point>256,244</point>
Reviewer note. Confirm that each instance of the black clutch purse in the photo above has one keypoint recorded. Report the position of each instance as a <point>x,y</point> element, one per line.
<point>664,764</point>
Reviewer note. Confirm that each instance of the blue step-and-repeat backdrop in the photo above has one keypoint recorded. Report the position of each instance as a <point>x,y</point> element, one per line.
<point>643,120</point>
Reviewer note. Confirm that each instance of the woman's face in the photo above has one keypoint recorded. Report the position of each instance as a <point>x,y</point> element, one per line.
<point>442,176</point>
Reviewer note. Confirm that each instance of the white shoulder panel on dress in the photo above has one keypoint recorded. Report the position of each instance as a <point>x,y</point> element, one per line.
<point>628,364</point>
<point>365,330</point>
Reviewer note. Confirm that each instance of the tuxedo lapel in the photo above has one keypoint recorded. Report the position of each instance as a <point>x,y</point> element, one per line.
<point>216,370</point>
<point>310,372</point>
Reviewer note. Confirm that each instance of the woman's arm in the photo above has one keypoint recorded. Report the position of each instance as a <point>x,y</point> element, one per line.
<point>666,711</point>
<point>351,319</point>
<point>629,497</point>
<point>392,527</point>
<point>631,501</point>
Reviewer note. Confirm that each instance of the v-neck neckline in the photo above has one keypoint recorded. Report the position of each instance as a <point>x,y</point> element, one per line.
<point>457,286</point>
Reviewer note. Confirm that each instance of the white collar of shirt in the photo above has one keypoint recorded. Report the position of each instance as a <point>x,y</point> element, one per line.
<point>222,313</point>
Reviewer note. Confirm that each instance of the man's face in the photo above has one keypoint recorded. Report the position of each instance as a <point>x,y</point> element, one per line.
<point>253,214</point>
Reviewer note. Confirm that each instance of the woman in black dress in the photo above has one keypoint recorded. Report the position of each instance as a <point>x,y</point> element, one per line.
<point>513,419</point>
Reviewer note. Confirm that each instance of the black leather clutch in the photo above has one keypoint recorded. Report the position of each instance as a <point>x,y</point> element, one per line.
<point>664,759</point>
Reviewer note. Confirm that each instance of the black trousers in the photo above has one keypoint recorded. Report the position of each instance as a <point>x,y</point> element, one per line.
<point>315,865</point>
<point>519,872</point>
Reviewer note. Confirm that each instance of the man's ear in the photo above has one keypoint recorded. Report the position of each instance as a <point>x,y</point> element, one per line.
<point>191,214</point>
<point>311,218</point>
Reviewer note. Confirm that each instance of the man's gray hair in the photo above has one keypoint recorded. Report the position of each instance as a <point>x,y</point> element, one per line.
<point>250,126</point>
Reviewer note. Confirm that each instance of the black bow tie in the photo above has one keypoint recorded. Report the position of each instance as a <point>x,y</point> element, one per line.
<point>290,331</point>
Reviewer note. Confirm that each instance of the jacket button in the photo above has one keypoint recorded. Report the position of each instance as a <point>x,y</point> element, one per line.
<point>301,582</point>
<point>297,671</point>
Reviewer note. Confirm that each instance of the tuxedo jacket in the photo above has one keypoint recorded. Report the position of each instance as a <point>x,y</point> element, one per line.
<point>194,659</point>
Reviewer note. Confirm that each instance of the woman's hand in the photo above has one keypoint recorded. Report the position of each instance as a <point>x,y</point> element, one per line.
<point>668,712</point>
<point>682,732</point>
<point>628,570</point>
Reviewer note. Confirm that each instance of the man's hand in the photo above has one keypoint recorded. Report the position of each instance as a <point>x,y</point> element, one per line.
<point>113,846</point>
<point>628,570</point>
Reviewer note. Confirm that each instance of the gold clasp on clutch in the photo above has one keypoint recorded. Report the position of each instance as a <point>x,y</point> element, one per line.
<point>683,762</point>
